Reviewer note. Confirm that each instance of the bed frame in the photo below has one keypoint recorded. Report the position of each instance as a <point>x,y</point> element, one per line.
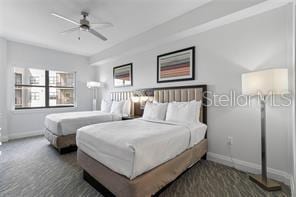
<point>63,144</point>
<point>110,183</point>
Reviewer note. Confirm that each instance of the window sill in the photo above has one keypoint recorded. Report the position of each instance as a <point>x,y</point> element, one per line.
<point>43,110</point>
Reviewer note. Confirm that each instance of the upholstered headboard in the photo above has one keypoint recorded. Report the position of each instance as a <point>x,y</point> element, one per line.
<point>182,94</point>
<point>168,94</point>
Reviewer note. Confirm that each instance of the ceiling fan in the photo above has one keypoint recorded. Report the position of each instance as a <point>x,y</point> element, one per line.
<point>84,25</point>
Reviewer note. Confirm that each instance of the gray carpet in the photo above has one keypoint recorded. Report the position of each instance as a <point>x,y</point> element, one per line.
<point>30,167</point>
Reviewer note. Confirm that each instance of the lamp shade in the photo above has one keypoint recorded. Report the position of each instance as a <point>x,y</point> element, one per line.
<point>265,82</point>
<point>94,84</point>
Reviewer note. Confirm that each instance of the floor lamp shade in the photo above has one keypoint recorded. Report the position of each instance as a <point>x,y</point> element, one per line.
<point>264,83</point>
<point>94,84</point>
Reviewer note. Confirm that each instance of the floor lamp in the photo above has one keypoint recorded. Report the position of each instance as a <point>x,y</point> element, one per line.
<point>263,84</point>
<point>94,85</point>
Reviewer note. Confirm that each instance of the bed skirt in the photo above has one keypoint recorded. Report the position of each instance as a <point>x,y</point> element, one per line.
<point>148,183</point>
<point>60,142</point>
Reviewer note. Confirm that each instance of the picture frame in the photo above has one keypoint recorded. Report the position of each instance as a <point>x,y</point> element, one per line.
<point>176,66</point>
<point>123,75</point>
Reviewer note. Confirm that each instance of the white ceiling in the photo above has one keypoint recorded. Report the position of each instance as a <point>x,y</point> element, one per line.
<point>29,21</point>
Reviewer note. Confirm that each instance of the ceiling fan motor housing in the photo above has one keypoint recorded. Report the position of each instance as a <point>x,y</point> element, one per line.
<point>84,24</point>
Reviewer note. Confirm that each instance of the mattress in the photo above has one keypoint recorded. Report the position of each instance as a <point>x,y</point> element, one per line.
<point>67,123</point>
<point>134,147</point>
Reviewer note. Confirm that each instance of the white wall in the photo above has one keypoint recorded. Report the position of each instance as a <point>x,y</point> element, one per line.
<point>293,86</point>
<point>21,123</point>
<point>3,68</point>
<point>222,55</point>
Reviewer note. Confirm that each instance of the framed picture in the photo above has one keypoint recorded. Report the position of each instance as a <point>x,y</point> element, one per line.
<point>176,66</point>
<point>123,75</point>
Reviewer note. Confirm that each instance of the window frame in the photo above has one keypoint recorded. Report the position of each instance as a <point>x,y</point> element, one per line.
<point>47,87</point>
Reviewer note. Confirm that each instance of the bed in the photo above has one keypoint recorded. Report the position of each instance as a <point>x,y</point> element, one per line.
<point>140,157</point>
<point>61,128</point>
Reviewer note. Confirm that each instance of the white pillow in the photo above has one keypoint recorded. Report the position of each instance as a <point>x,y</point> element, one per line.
<point>155,111</point>
<point>117,107</point>
<point>106,106</point>
<point>183,111</point>
<point>198,106</point>
<point>126,111</point>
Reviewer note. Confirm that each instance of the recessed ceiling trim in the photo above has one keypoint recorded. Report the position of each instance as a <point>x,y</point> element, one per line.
<point>97,60</point>
<point>64,50</point>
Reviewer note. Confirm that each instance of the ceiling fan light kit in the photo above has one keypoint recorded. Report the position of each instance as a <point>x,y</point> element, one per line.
<point>84,25</point>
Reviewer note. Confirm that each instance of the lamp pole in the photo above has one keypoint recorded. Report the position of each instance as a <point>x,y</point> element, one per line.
<point>94,98</point>
<point>94,85</point>
<point>263,138</point>
<point>262,179</point>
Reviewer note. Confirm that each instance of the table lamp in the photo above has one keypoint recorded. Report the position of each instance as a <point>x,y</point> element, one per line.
<point>263,84</point>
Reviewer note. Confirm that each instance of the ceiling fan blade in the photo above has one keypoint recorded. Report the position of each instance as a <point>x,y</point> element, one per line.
<point>101,25</point>
<point>97,34</point>
<point>65,18</point>
<point>70,30</point>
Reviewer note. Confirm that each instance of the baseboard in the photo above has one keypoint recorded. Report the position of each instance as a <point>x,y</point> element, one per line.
<point>250,167</point>
<point>3,136</point>
<point>3,139</point>
<point>14,136</point>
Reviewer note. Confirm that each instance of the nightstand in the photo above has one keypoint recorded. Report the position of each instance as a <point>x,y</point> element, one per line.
<point>130,117</point>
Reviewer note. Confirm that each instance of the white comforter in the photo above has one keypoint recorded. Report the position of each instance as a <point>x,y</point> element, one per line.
<point>68,123</point>
<point>135,146</point>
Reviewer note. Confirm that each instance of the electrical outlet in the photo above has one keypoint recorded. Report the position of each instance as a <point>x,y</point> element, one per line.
<point>229,140</point>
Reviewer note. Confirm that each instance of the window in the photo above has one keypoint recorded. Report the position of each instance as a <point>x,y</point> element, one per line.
<point>35,88</point>
<point>18,78</point>
<point>18,98</point>
<point>52,79</point>
<point>34,80</point>
<point>35,96</point>
<point>52,95</point>
<point>61,88</point>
